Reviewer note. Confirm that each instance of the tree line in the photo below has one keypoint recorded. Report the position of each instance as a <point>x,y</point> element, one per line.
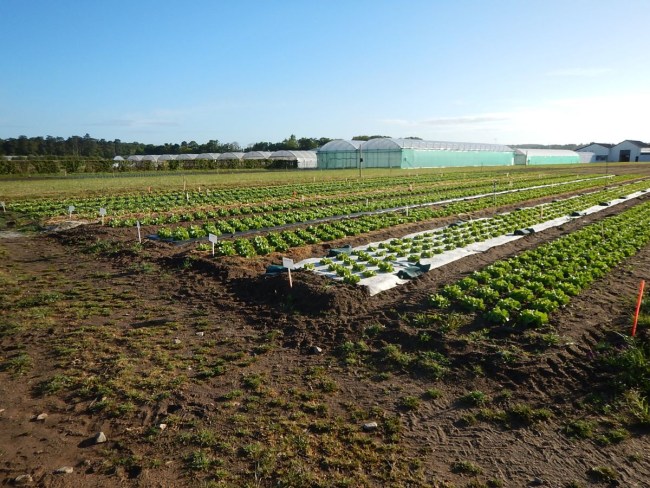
<point>88,147</point>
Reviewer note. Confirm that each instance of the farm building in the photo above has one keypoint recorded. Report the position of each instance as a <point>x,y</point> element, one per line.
<point>627,151</point>
<point>545,156</point>
<point>644,154</point>
<point>302,159</point>
<point>600,151</point>
<point>411,153</point>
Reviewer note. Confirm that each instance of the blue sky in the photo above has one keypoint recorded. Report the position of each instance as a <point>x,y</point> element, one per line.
<point>155,71</point>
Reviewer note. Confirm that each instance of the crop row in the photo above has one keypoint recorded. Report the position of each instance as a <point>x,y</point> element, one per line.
<point>523,290</point>
<point>351,227</point>
<point>232,201</point>
<point>302,211</point>
<point>368,262</point>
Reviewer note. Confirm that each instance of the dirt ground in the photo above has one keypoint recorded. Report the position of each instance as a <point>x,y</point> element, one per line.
<point>89,318</point>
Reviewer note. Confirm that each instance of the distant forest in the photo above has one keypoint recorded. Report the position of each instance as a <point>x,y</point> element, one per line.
<point>88,147</point>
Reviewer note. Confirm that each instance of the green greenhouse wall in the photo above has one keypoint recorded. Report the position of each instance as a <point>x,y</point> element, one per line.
<point>431,159</point>
<point>553,159</point>
<point>338,160</point>
<point>412,158</point>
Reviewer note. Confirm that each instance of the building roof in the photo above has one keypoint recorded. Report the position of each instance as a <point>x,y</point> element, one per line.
<point>340,145</point>
<point>257,155</point>
<point>385,144</point>
<point>603,144</point>
<point>546,152</point>
<point>636,143</point>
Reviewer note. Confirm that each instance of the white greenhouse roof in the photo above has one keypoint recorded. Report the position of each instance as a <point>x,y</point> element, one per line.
<point>257,155</point>
<point>294,155</point>
<point>118,158</point>
<point>231,155</point>
<point>547,152</point>
<point>168,157</point>
<point>340,145</point>
<point>150,157</point>
<point>187,157</point>
<point>210,156</point>
<point>135,158</point>
<point>388,144</point>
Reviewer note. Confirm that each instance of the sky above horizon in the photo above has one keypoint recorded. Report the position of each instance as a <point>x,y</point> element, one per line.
<point>156,71</point>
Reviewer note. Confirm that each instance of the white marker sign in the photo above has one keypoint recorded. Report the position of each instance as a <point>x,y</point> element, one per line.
<point>70,210</point>
<point>288,263</point>
<point>213,239</point>
<point>139,234</point>
<point>102,214</point>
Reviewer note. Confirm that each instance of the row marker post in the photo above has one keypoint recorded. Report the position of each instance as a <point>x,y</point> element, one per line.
<point>638,307</point>
<point>288,263</point>
<point>213,239</point>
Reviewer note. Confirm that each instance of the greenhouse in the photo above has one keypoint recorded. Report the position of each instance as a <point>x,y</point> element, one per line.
<point>208,156</point>
<point>524,156</point>
<point>230,156</point>
<point>302,159</point>
<point>411,153</point>
<point>187,157</point>
<point>257,155</point>
<point>339,154</point>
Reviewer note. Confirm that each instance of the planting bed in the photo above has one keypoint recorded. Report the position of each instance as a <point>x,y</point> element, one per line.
<point>509,367</point>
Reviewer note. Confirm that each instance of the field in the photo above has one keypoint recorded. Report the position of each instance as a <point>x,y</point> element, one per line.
<point>508,367</point>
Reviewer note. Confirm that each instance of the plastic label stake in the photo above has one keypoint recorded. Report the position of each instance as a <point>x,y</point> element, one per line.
<point>139,234</point>
<point>102,214</point>
<point>288,263</point>
<point>70,210</point>
<point>213,239</point>
<point>638,307</point>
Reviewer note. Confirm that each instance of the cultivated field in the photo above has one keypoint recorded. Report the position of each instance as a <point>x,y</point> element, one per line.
<point>511,366</point>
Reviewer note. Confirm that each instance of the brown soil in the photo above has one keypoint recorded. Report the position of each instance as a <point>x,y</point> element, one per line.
<point>240,308</point>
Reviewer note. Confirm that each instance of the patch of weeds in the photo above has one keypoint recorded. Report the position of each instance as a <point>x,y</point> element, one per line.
<point>579,429</point>
<point>432,394</point>
<point>495,483</point>
<point>638,407</point>
<point>198,460</point>
<point>525,414</point>
<point>574,484</point>
<point>474,398</point>
<point>492,415</point>
<point>353,353</point>
<point>53,385</point>
<point>392,428</point>
<point>612,436</point>
<point>602,474</point>
<point>18,364</point>
<point>467,420</point>
<point>9,328</point>
<point>465,467</point>
<point>410,403</point>
<point>252,381</point>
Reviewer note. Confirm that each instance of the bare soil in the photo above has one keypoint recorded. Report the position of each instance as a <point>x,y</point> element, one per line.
<point>125,296</point>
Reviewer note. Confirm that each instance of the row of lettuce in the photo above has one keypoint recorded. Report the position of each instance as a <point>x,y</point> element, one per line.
<point>523,290</point>
<point>329,231</point>
<point>122,210</point>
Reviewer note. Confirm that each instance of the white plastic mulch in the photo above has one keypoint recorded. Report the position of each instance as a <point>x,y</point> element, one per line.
<point>386,281</point>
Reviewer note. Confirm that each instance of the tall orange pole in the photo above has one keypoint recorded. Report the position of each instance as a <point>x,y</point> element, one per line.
<point>638,307</point>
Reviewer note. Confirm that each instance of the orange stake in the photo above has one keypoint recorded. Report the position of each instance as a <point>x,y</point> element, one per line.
<point>638,307</point>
